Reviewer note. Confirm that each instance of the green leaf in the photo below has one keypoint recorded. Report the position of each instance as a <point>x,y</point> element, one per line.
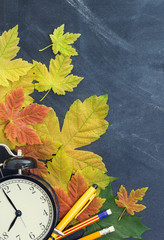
<point>61,42</point>
<point>127,227</point>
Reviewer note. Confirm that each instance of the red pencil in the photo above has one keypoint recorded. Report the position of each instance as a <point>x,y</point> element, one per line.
<point>85,223</point>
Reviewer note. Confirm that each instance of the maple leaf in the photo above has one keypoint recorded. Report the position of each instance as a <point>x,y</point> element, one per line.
<point>17,121</point>
<point>76,188</point>
<point>60,170</point>
<point>83,124</point>
<point>82,159</point>
<point>61,42</point>
<point>129,203</point>
<point>95,175</point>
<point>43,151</point>
<point>41,169</point>
<point>58,78</point>
<point>50,127</point>
<point>11,70</point>
<point>3,138</point>
<point>25,82</point>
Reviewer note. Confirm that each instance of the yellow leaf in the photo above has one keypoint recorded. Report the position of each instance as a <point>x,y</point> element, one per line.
<point>57,78</point>
<point>84,122</point>
<point>50,127</point>
<point>14,69</point>
<point>93,175</point>
<point>61,42</point>
<point>8,44</point>
<point>11,70</point>
<point>60,170</point>
<point>3,138</point>
<point>25,82</point>
<point>81,159</point>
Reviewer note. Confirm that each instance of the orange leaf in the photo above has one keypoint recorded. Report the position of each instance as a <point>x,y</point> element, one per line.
<point>76,188</point>
<point>129,203</point>
<point>16,121</point>
<point>42,151</point>
<point>65,202</point>
<point>41,169</point>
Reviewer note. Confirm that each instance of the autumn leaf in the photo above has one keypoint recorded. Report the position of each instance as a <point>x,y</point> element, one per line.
<point>129,203</point>
<point>3,138</point>
<point>83,124</point>
<point>16,121</point>
<point>95,175</point>
<point>50,127</point>
<point>62,42</point>
<point>58,78</point>
<point>41,169</point>
<point>43,151</point>
<point>82,159</point>
<point>60,170</point>
<point>25,82</point>
<point>11,70</point>
<point>76,188</point>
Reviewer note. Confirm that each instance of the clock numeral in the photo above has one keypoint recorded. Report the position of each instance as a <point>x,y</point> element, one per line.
<point>18,237</point>
<point>45,212</point>
<point>32,189</point>
<point>7,189</point>
<point>43,199</point>
<point>4,236</point>
<point>42,226</point>
<point>31,235</point>
<point>19,187</point>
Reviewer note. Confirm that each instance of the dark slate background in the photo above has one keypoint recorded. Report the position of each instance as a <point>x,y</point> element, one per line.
<point>121,54</point>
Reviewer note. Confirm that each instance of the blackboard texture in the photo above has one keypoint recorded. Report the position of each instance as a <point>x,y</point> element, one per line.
<point>121,53</point>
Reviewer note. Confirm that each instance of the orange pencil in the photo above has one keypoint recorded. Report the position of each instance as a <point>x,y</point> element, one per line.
<point>98,234</point>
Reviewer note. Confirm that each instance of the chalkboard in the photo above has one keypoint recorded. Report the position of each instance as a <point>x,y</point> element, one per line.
<point>121,53</point>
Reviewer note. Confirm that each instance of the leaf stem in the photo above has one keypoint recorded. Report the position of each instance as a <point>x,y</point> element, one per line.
<point>45,95</point>
<point>40,50</point>
<point>122,214</point>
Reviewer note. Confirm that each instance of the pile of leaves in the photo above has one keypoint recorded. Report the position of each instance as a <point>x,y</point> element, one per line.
<point>34,128</point>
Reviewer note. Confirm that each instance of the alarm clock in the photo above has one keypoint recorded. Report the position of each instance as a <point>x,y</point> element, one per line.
<point>29,207</point>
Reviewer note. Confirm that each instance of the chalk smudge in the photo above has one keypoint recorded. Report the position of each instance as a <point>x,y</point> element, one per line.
<point>100,29</point>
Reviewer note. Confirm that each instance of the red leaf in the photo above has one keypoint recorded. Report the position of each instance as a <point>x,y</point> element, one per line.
<point>17,121</point>
<point>76,187</point>
<point>65,202</point>
<point>41,169</point>
<point>42,151</point>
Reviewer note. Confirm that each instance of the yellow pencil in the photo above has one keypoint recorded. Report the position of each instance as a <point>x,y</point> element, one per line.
<point>77,208</point>
<point>98,234</point>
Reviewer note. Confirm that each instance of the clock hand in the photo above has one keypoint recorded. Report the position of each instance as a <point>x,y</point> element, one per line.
<point>12,224</point>
<point>18,213</point>
<point>12,205</point>
<point>23,222</point>
<point>9,199</point>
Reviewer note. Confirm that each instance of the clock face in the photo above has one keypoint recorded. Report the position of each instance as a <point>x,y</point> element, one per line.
<point>26,209</point>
